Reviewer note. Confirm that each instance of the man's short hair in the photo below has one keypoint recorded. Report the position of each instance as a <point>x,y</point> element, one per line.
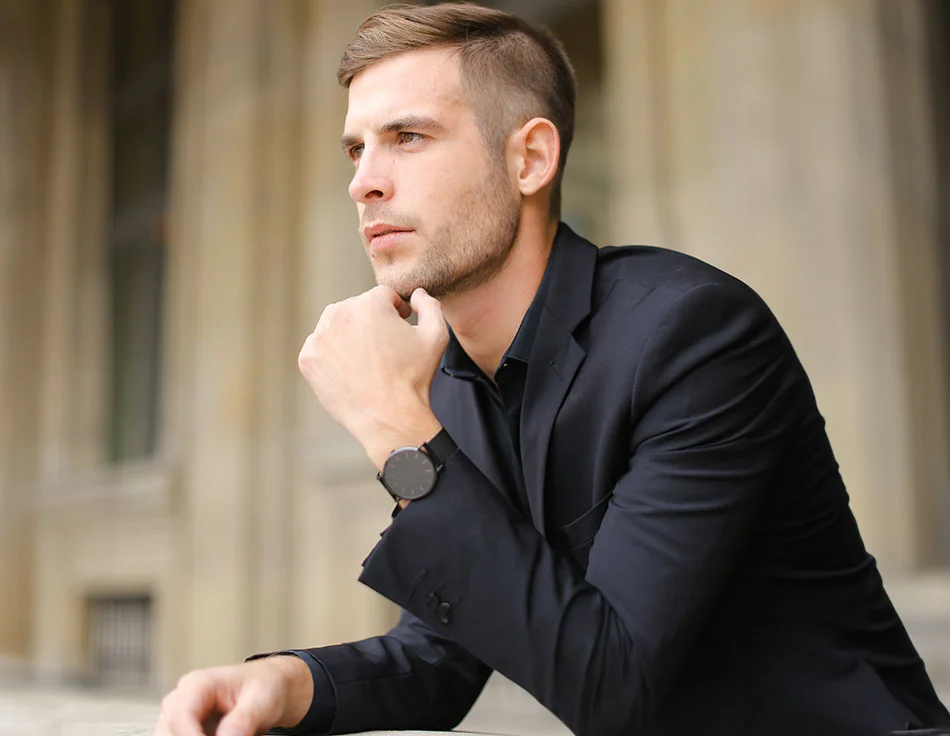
<point>511,71</point>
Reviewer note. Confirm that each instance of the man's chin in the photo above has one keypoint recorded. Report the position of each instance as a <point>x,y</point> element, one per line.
<point>403,287</point>
<point>406,282</point>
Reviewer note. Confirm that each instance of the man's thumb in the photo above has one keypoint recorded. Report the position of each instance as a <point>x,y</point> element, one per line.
<point>428,310</point>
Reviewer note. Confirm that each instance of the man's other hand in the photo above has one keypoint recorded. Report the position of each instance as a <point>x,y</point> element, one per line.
<point>240,700</point>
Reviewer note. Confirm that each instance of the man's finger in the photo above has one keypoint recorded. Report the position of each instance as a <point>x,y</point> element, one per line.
<point>429,311</point>
<point>167,727</point>
<point>249,715</point>
<point>400,304</point>
<point>179,724</point>
<point>186,706</point>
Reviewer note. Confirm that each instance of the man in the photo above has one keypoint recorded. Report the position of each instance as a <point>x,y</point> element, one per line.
<point>613,483</point>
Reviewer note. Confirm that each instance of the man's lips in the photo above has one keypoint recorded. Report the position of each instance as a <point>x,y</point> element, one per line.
<point>384,236</point>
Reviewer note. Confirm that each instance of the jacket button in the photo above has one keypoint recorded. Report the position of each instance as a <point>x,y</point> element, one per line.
<point>444,609</point>
<point>433,601</point>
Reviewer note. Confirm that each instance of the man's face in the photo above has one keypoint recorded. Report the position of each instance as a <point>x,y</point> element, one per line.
<point>436,210</point>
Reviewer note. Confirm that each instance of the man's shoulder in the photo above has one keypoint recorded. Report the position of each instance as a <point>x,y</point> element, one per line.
<point>652,266</point>
<point>662,274</point>
<point>637,267</point>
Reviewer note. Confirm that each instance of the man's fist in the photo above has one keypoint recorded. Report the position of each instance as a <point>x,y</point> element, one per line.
<point>372,370</point>
<point>241,700</point>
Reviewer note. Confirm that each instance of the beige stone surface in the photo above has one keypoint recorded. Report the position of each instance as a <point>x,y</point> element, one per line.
<point>39,711</point>
<point>45,712</point>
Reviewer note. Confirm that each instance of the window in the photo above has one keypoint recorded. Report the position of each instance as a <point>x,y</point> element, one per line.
<point>141,84</point>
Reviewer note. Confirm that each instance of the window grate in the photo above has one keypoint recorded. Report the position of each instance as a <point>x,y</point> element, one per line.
<point>120,639</point>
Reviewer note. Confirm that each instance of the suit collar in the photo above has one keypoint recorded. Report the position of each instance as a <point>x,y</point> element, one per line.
<point>571,278</point>
<point>555,357</point>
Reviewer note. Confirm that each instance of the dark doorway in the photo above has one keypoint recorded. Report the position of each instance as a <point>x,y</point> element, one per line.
<point>938,29</point>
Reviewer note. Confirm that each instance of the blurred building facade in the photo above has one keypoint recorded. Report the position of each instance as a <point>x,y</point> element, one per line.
<point>174,217</point>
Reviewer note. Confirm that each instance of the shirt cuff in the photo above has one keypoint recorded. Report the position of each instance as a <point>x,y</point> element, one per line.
<point>322,711</point>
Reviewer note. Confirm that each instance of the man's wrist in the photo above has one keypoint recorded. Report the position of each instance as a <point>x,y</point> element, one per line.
<point>412,433</point>
<point>298,684</point>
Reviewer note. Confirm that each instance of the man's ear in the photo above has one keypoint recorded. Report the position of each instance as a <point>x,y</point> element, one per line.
<point>536,148</point>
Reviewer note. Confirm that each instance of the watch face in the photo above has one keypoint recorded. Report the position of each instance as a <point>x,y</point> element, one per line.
<point>409,473</point>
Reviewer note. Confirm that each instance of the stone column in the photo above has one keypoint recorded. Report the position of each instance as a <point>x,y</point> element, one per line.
<point>635,88</point>
<point>62,207</point>
<point>278,337</point>
<point>70,365</point>
<point>23,116</point>
<point>213,286</point>
<point>905,55</point>
<point>262,237</point>
<point>338,508</point>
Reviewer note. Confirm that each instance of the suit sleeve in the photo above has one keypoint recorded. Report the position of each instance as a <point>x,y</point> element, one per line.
<point>712,399</point>
<point>413,677</point>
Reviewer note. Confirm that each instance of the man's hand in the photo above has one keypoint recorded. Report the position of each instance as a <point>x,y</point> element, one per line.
<point>241,700</point>
<point>372,370</point>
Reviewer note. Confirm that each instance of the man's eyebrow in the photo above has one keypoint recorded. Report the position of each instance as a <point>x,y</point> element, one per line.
<point>409,122</point>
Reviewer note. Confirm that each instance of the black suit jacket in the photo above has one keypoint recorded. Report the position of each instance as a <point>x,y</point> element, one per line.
<point>690,564</point>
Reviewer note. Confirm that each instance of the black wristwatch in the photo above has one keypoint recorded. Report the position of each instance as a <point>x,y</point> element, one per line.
<point>410,473</point>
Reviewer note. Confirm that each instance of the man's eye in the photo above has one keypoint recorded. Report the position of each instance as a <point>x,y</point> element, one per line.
<point>406,137</point>
<point>354,152</point>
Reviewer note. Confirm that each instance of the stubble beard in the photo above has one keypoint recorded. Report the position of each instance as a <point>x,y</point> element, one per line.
<point>470,249</point>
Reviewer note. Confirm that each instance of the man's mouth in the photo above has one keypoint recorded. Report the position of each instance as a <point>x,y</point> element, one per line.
<point>384,235</point>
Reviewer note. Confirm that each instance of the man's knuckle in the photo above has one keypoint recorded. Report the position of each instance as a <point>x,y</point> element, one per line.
<point>168,702</point>
<point>195,680</point>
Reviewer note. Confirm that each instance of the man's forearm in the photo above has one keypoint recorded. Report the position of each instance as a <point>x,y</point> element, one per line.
<point>412,678</point>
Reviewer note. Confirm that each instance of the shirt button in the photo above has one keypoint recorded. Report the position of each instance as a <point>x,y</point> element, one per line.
<point>444,611</point>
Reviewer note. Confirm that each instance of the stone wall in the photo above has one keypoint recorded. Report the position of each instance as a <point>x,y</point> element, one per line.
<point>786,142</point>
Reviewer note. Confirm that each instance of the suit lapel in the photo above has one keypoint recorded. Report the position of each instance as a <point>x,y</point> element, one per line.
<point>555,357</point>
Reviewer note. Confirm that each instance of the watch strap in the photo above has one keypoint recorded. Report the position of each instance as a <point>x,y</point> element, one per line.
<point>440,448</point>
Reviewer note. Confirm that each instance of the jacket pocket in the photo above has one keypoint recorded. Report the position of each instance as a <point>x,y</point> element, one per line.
<point>577,537</point>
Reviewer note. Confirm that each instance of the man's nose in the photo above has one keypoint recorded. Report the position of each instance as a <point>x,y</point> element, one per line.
<point>372,180</point>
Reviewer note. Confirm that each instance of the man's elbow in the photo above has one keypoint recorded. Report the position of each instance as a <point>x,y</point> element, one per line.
<point>618,702</point>
<point>449,707</point>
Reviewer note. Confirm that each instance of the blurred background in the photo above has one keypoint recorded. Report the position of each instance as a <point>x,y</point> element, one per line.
<point>174,217</point>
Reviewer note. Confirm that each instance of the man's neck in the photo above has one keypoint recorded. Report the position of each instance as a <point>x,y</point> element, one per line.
<point>486,319</point>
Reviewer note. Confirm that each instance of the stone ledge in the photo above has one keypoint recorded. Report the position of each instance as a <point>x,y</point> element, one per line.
<point>926,595</point>
<point>923,602</point>
<point>141,485</point>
